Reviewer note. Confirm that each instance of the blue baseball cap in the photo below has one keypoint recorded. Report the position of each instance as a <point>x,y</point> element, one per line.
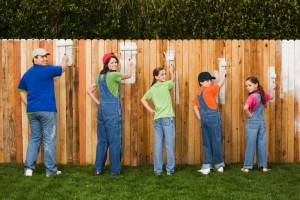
<point>205,76</point>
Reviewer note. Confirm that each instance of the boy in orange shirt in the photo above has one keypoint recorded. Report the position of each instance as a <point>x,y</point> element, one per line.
<point>207,111</point>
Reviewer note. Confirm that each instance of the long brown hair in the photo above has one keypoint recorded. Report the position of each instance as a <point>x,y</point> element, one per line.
<point>155,73</point>
<point>105,67</point>
<point>254,80</point>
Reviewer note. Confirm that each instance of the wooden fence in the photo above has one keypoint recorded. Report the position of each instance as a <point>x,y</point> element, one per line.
<point>76,134</point>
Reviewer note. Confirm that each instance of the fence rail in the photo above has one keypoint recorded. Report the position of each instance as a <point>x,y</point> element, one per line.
<point>76,134</point>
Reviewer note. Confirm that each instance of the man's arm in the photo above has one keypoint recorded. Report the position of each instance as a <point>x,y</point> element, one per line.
<point>24,97</point>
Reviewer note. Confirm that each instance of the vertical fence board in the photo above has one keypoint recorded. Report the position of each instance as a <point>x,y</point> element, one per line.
<point>192,62</point>
<point>186,102</point>
<point>290,102</point>
<point>284,100</point>
<point>297,101</point>
<point>17,106</point>
<point>141,137</point>
<point>2,56</point>
<point>179,105</point>
<point>278,105</point>
<point>81,101</point>
<point>228,100</point>
<point>241,64</point>
<point>272,127</point>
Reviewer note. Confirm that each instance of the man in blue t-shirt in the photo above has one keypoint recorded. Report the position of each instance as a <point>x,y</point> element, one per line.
<point>37,92</point>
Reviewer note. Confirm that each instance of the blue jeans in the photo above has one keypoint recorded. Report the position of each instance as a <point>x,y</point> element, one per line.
<point>212,140</point>
<point>42,125</point>
<point>164,129</point>
<point>255,137</point>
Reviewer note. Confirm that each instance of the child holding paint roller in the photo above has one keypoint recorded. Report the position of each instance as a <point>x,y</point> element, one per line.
<point>163,118</point>
<point>255,124</point>
<point>109,117</point>
<point>207,111</point>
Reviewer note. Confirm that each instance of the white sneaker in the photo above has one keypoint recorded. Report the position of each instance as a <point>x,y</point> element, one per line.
<point>204,171</point>
<point>56,173</point>
<point>28,172</point>
<point>221,170</point>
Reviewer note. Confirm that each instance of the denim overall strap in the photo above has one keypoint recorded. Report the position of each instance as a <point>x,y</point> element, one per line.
<point>109,129</point>
<point>256,136</point>
<point>258,111</point>
<point>211,135</point>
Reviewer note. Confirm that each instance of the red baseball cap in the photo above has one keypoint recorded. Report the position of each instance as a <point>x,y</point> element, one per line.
<point>107,56</point>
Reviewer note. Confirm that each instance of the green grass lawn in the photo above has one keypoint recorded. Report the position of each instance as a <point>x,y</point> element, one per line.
<point>77,182</point>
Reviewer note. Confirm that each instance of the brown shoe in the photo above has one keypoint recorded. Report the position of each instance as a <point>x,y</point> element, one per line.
<point>97,173</point>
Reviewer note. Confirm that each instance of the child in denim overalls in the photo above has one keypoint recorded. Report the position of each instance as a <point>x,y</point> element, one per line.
<point>163,118</point>
<point>109,117</point>
<point>255,124</point>
<point>211,123</point>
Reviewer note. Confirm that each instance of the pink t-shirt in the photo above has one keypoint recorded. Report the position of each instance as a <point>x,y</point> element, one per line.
<point>252,101</point>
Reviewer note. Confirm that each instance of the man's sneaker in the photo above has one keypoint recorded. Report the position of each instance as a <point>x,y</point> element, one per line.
<point>56,173</point>
<point>170,173</point>
<point>221,170</point>
<point>28,172</point>
<point>204,171</point>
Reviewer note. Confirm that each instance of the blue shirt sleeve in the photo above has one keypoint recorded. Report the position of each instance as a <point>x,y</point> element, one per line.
<point>22,85</point>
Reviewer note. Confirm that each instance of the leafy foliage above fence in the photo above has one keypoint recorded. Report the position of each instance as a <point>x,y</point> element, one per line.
<point>150,19</point>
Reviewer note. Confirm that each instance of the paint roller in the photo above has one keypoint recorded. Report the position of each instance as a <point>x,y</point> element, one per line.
<point>128,47</point>
<point>169,55</point>
<point>222,63</point>
<point>64,43</point>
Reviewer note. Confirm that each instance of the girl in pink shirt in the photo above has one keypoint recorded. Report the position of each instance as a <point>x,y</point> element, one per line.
<point>255,124</point>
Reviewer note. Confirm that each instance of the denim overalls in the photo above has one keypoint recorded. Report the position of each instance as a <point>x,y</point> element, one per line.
<point>109,129</point>
<point>211,135</point>
<point>256,135</point>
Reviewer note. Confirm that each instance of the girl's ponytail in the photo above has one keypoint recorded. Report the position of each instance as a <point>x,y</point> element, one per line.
<point>262,94</point>
<point>154,81</point>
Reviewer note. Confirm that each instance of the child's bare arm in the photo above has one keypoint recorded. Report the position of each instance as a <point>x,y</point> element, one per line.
<point>128,71</point>
<point>146,104</point>
<point>272,90</point>
<point>247,112</point>
<point>172,72</point>
<point>222,78</point>
<point>197,112</point>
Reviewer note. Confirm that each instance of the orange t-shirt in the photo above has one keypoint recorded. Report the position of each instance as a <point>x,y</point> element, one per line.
<point>209,96</point>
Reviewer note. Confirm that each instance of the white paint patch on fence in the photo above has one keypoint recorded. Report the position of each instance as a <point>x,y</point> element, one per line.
<point>297,70</point>
<point>272,79</point>
<point>284,68</point>
<point>128,50</point>
<point>63,47</point>
<point>222,66</point>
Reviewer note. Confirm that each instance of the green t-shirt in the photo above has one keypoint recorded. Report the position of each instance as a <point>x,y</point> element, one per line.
<point>113,80</point>
<point>160,95</point>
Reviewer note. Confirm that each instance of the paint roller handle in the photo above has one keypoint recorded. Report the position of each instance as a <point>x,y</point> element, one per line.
<point>171,68</point>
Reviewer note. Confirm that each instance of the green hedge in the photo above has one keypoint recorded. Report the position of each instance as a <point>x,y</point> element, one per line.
<point>150,19</point>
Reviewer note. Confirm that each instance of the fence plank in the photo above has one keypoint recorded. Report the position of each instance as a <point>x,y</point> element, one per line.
<point>2,57</point>
<point>290,102</point>
<point>81,102</point>
<point>240,136</point>
<point>141,138</point>
<point>272,126</point>
<point>186,102</point>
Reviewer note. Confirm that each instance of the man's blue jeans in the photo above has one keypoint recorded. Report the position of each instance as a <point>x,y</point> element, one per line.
<point>164,129</point>
<point>42,125</point>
